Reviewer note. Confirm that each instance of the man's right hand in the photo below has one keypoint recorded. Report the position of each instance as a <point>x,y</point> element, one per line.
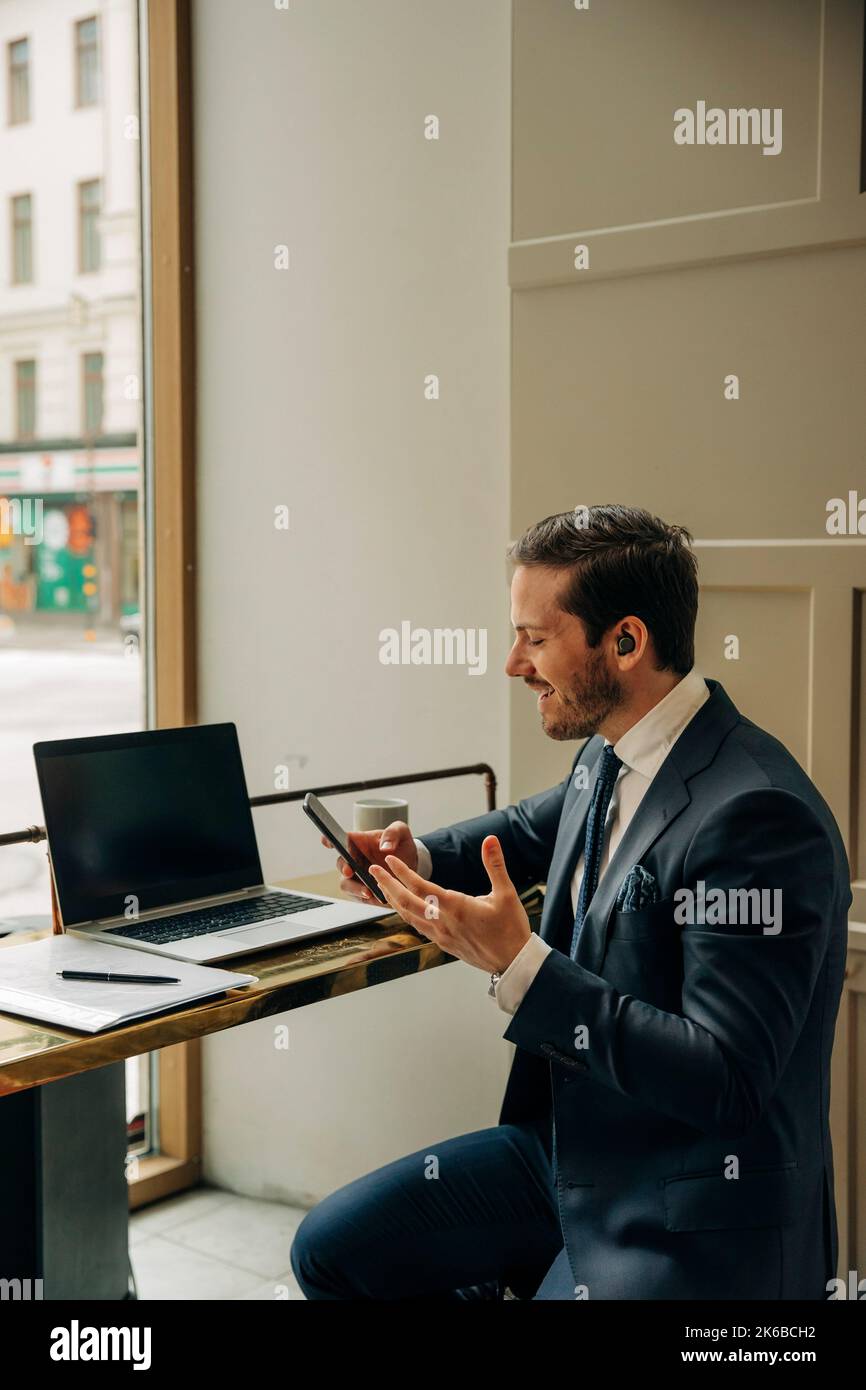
<point>396,839</point>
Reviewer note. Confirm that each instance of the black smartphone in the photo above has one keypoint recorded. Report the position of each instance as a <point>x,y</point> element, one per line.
<point>357,862</point>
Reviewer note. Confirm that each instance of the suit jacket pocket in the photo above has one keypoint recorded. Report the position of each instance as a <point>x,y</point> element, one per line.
<point>655,922</point>
<point>711,1202</point>
<point>643,955</point>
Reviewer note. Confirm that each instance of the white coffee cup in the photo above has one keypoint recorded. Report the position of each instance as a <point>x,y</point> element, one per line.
<point>375,813</point>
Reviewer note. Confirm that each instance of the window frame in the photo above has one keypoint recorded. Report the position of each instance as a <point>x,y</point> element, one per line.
<point>11,119</point>
<point>77,50</point>
<point>24,436</point>
<point>87,376</point>
<point>15,198</point>
<point>82,188</point>
<point>169,487</point>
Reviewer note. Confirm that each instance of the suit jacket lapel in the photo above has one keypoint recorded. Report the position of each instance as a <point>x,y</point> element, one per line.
<point>557,902</point>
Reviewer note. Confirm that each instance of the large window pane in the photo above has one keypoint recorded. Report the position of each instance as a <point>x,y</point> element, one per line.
<point>70,416</point>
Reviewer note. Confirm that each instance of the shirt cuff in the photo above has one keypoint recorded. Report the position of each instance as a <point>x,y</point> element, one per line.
<point>515,981</point>
<point>425,860</point>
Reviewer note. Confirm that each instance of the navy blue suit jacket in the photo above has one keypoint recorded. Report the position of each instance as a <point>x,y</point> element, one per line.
<point>691,1131</point>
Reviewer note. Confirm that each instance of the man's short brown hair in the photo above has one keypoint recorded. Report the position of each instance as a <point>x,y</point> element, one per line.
<point>623,560</point>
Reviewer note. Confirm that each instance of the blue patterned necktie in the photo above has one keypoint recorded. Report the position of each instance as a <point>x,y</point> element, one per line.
<point>594,840</point>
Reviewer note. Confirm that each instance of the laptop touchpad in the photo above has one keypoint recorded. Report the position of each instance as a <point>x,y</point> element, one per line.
<point>270,935</point>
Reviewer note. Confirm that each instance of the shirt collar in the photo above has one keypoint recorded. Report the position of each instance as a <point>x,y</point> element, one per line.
<point>644,747</point>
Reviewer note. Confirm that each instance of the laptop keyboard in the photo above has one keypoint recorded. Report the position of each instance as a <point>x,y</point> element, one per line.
<point>212,919</point>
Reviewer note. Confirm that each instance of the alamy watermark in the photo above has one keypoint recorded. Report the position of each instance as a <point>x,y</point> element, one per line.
<point>846,516</point>
<point>854,1289</point>
<point>20,1290</point>
<point>740,125</point>
<point>77,1343</point>
<point>758,907</point>
<point>22,517</point>
<point>438,646</point>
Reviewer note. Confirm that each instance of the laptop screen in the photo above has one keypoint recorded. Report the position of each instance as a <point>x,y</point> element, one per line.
<point>146,820</point>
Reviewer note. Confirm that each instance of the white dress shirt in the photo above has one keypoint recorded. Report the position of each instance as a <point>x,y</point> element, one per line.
<point>642,748</point>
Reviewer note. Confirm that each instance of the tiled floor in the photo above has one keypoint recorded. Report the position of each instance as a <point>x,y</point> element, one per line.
<point>211,1244</point>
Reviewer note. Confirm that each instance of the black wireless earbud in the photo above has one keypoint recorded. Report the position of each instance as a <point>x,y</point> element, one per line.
<point>625,643</point>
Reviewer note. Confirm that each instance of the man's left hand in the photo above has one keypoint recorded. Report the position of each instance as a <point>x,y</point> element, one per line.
<point>486,932</point>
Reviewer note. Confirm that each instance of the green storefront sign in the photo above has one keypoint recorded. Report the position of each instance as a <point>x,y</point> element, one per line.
<point>63,566</point>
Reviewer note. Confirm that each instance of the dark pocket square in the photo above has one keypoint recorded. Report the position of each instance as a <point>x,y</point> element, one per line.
<point>637,890</point>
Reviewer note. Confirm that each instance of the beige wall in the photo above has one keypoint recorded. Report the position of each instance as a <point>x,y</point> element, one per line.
<point>619,370</point>
<point>309,132</point>
<point>703,262</point>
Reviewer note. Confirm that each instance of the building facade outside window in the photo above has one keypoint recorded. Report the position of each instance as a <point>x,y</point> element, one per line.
<point>70,411</point>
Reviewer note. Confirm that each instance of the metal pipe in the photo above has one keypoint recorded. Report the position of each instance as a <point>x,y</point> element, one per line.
<point>34,833</point>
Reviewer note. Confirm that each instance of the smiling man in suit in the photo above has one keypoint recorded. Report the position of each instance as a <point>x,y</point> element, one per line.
<point>665,1128</point>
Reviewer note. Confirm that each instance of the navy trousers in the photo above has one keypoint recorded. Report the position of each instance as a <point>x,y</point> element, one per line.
<point>456,1220</point>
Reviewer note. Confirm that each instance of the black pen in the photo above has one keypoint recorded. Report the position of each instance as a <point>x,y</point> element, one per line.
<point>111,977</point>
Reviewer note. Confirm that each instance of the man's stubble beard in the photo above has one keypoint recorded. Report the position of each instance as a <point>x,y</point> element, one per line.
<point>592,697</point>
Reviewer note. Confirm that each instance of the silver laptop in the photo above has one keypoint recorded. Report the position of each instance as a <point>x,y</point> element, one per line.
<point>152,846</point>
